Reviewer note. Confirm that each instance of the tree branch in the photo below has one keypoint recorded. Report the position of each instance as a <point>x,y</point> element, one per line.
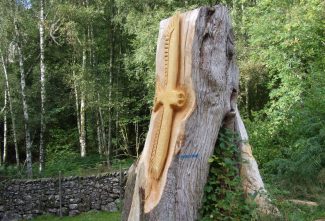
<point>2,110</point>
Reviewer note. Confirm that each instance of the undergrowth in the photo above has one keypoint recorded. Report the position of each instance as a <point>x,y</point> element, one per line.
<point>69,164</point>
<point>224,198</point>
<point>223,195</point>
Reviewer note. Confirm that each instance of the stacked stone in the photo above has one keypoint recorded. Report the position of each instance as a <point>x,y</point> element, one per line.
<point>24,199</point>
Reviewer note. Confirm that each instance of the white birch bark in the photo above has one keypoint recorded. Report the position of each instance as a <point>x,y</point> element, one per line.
<point>82,125</point>
<point>76,94</point>
<point>5,129</point>
<point>25,105</point>
<point>43,92</point>
<point>109,141</point>
<point>82,135</point>
<point>13,119</point>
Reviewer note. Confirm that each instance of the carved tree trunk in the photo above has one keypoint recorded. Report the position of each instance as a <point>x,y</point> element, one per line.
<point>197,84</point>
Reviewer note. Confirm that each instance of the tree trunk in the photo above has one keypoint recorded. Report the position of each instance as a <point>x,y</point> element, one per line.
<point>43,95</point>
<point>250,176</point>
<point>99,136</point>
<point>101,126</point>
<point>82,125</point>
<point>82,134</point>
<point>137,138</point>
<point>5,129</point>
<point>196,89</point>
<point>76,95</point>
<point>25,105</point>
<point>13,119</point>
<point>111,60</point>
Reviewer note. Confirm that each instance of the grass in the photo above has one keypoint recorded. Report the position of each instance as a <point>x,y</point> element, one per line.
<point>88,216</point>
<point>293,212</point>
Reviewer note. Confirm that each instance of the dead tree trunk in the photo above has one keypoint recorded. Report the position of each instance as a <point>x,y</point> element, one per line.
<point>250,176</point>
<point>196,89</point>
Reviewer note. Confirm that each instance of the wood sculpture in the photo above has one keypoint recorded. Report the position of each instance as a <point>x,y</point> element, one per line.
<point>196,90</point>
<point>168,99</point>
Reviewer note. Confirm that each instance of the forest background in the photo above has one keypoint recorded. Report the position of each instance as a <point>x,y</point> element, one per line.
<point>77,85</point>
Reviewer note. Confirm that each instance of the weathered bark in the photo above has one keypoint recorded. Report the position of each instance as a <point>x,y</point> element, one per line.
<point>250,176</point>
<point>13,119</point>
<point>43,92</point>
<point>25,105</point>
<point>171,187</point>
<point>208,75</point>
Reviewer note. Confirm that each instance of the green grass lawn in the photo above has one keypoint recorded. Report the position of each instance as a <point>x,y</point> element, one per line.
<point>88,216</point>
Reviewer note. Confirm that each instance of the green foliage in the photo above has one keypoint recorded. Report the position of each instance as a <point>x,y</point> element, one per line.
<point>70,165</point>
<point>89,216</point>
<point>223,196</point>
<point>288,133</point>
<point>281,57</point>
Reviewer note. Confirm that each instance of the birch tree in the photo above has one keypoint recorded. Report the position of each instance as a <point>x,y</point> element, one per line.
<point>12,116</point>
<point>43,92</point>
<point>24,98</point>
<point>5,128</point>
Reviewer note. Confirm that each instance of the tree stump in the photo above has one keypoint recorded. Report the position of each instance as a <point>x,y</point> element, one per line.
<point>196,90</point>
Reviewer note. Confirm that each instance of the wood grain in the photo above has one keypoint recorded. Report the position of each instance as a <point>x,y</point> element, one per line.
<point>209,75</point>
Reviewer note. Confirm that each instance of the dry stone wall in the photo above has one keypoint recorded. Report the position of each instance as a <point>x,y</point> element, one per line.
<point>24,199</point>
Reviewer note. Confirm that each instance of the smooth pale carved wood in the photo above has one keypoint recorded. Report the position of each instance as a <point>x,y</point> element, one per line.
<point>168,99</point>
<point>167,181</point>
<point>173,101</point>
